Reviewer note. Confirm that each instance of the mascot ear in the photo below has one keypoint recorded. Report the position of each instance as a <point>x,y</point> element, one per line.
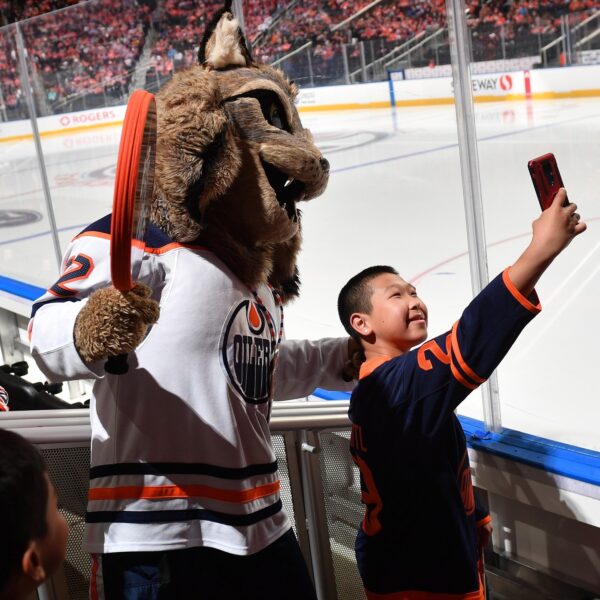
<point>223,44</point>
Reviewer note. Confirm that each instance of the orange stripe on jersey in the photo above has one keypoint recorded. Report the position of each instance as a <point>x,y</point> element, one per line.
<point>458,376</point>
<point>370,365</point>
<point>463,365</point>
<point>173,246</point>
<point>166,492</point>
<point>141,243</point>
<point>517,294</point>
<point>421,595</point>
<point>487,519</point>
<point>97,234</point>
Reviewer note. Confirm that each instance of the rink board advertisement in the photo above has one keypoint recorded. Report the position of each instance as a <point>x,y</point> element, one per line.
<point>500,86</point>
<point>490,87</point>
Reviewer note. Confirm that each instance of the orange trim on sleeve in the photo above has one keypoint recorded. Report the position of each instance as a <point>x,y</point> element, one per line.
<point>463,365</point>
<point>97,234</point>
<point>172,246</point>
<point>458,376</point>
<point>168,492</point>
<point>517,294</point>
<point>141,243</point>
<point>370,365</point>
<point>422,595</point>
<point>487,519</point>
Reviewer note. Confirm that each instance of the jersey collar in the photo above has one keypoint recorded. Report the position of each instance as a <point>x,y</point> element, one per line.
<point>370,365</point>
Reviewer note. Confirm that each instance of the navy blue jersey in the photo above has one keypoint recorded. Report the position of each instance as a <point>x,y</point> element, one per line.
<point>418,538</point>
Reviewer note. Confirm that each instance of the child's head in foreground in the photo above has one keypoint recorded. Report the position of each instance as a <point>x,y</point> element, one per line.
<point>33,534</point>
<point>382,312</point>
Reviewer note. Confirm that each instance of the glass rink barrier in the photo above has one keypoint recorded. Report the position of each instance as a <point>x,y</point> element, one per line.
<point>428,130</point>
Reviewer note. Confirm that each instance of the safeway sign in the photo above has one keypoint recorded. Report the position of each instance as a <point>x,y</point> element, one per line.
<point>505,82</point>
<point>495,85</point>
<point>492,83</point>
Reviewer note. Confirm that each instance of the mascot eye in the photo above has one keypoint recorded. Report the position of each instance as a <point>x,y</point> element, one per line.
<point>270,106</point>
<point>273,116</point>
<point>272,110</point>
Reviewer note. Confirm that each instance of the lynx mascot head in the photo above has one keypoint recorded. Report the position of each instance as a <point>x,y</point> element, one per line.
<point>232,163</point>
<point>233,160</point>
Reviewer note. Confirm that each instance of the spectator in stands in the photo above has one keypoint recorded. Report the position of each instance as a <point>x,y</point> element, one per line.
<point>86,56</point>
<point>33,534</point>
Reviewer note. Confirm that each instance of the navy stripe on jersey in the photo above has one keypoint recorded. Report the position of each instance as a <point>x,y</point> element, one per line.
<point>182,469</point>
<point>37,305</point>
<point>154,237</point>
<point>100,226</point>
<point>177,516</point>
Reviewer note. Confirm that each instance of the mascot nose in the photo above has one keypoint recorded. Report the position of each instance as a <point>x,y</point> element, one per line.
<point>324,164</point>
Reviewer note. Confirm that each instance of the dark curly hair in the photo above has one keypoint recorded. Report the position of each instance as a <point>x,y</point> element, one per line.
<point>23,500</point>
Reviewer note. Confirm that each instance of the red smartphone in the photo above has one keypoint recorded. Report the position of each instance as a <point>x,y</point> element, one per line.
<point>546,179</point>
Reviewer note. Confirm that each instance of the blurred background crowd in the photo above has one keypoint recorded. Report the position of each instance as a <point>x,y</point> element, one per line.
<point>82,55</point>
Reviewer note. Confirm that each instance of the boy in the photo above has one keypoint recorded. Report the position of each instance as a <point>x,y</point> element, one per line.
<point>419,538</point>
<point>33,534</point>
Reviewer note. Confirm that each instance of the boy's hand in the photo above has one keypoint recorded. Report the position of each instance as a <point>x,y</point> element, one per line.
<point>556,227</point>
<point>553,231</point>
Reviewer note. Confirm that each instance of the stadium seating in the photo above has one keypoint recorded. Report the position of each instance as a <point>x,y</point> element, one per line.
<point>85,56</point>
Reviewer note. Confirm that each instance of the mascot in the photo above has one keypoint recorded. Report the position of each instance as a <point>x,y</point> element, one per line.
<point>184,493</point>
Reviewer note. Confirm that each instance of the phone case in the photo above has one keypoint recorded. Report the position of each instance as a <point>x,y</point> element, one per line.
<point>546,178</point>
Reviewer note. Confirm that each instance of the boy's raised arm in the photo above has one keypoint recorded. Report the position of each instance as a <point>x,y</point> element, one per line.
<point>553,231</point>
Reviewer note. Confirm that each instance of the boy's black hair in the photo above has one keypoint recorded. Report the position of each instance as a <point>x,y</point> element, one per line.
<point>355,296</point>
<point>23,500</point>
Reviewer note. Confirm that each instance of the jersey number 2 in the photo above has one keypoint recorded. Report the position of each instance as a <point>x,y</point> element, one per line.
<point>78,267</point>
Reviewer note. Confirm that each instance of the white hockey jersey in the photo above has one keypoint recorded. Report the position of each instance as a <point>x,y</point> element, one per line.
<point>181,451</point>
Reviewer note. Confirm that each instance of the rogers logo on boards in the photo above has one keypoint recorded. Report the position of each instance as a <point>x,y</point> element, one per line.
<point>87,118</point>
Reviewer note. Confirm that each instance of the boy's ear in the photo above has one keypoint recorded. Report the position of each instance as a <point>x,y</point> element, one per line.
<point>31,564</point>
<point>360,324</point>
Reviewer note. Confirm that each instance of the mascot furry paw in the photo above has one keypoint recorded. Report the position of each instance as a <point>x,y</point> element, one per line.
<point>181,449</point>
<point>113,323</point>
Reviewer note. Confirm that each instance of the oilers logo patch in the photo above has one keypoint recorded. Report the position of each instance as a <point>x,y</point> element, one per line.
<point>3,400</point>
<point>247,352</point>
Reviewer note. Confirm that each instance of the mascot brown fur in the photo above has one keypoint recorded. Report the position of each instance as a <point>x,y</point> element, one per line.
<point>232,163</point>
<point>181,446</point>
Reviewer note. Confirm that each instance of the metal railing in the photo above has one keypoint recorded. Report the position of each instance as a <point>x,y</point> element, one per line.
<point>591,36</point>
<point>357,14</point>
<point>567,33</point>
<point>320,490</point>
<point>378,68</point>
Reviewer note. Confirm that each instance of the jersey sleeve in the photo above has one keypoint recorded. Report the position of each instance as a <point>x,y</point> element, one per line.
<point>482,514</point>
<point>304,365</point>
<point>436,377</point>
<point>85,268</point>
